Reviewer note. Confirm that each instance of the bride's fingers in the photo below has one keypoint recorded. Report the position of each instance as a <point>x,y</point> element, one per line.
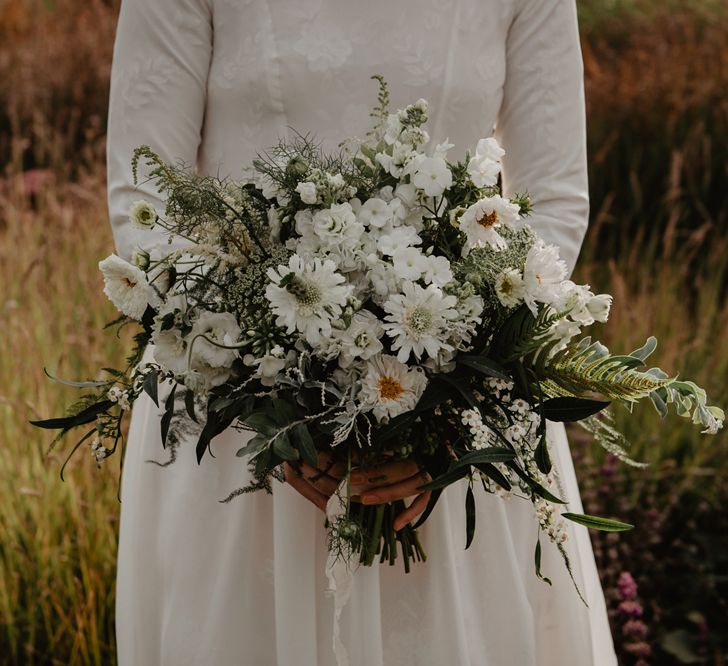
<point>319,479</point>
<point>385,474</point>
<point>396,491</point>
<point>412,511</point>
<point>300,484</point>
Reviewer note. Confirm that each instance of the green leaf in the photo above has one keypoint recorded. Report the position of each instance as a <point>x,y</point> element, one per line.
<point>283,412</point>
<point>67,382</point>
<point>86,415</point>
<point>151,386</point>
<point>485,366</point>
<point>492,472</point>
<point>283,449</point>
<point>469,517</point>
<point>254,445</point>
<point>491,455</point>
<point>434,496</point>
<point>643,352</point>
<point>460,385</point>
<point>397,427</point>
<point>571,409</point>
<point>596,523</point>
<point>306,445</point>
<point>537,559</point>
<point>262,423</point>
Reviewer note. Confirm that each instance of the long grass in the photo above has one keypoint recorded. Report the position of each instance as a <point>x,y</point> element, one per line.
<point>658,122</point>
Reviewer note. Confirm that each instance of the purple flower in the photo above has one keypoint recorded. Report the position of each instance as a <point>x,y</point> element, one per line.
<point>630,608</point>
<point>627,586</point>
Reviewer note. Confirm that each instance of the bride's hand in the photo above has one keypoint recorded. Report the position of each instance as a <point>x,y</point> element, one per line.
<point>393,481</point>
<point>318,483</point>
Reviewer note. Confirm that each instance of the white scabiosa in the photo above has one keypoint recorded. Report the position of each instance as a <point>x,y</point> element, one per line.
<point>306,296</point>
<point>390,388</point>
<point>126,286</point>
<point>142,214</point>
<point>485,166</point>
<point>509,287</point>
<point>481,220</point>
<point>418,320</point>
<point>543,274</point>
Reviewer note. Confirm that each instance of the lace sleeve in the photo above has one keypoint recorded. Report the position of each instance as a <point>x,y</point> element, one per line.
<point>541,123</point>
<point>158,86</point>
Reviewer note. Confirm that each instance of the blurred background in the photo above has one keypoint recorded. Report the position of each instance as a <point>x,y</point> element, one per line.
<point>657,82</point>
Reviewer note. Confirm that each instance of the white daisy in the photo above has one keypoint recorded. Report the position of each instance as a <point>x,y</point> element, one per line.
<point>484,168</point>
<point>509,287</point>
<point>390,388</point>
<point>126,286</point>
<point>543,274</point>
<point>479,222</point>
<point>142,214</point>
<point>306,296</point>
<point>418,320</point>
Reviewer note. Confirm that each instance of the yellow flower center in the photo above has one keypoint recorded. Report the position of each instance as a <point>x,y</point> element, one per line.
<point>489,220</point>
<point>390,388</point>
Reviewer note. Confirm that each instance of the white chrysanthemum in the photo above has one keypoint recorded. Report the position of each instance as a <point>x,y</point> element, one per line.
<point>360,340</point>
<point>409,263</point>
<point>142,214</point>
<point>485,166</point>
<point>418,320</point>
<point>306,296</point>
<point>375,212</point>
<point>307,192</point>
<point>543,274</point>
<point>126,286</point>
<point>432,174</point>
<point>390,388</point>
<point>509,287</point>
<point>479,222</point>
<point>220,327</point>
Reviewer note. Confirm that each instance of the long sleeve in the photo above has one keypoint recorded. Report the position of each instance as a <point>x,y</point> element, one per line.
<point>541,123</point>
<point>158,86</point>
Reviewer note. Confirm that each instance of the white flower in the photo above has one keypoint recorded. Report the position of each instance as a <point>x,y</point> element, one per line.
<point>409,263</point>
<point>599,307</point>
<point>390,388</point>
<point>438,270</point>
<point>479,222</point>
<point>360,339</point>
<point>392,128</point>
<point>431,174</point>
<point>375,212</point>
<point>397,238</point>
<point>418,320</point>
<point>442,148</point>
<point>126,286</point>
<point>543,274</point>
<point>114,393</point>
<point>484,168</point>
<point>269,366</point>
<point>383,279</point>
<point>220,327</point>
<point>395,163</point>
<point>307,190</point>
<point>306,296</point>
<point>140,258</point>
<point>572,300</point>
<point>509,287</point>
<point>142,214</point>
<point>274,223</point>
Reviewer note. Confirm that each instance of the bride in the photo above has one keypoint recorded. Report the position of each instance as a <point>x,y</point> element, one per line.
<point>209,83</point>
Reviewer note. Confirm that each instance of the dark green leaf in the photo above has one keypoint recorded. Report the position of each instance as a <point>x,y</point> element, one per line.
<point>492,472</point>
<point>190,404</point>
<point>254,445</point>
<point>535,487</point>
<point>491,455</point>
<point>541,456</point>
<point>167,416</point>
<point>596,523</point>
<point>305,444</point>
<point>469,517</point>
<point>397,427</point>
<point>451,476</point>
<point>283,412</point>
<point>460,384</point>
<point>86,415</point>
<point>262,423</point>
<point>484,365</point>
<point>283,449</point>
<point>151,386</point>
<point>434,496</point>
<point>537,558</point>
<point>571,409</point>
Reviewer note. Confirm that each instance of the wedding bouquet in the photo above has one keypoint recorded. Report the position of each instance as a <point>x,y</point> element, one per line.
<point>381,303</point>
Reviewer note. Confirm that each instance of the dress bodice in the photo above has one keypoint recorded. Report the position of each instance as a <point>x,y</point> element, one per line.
<point>212,82</point>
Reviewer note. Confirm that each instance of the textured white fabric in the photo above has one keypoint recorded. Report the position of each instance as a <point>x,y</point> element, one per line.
<point>210,82</point>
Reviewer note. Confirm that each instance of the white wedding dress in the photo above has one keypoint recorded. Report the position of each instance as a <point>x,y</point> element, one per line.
<point>210,82</point>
